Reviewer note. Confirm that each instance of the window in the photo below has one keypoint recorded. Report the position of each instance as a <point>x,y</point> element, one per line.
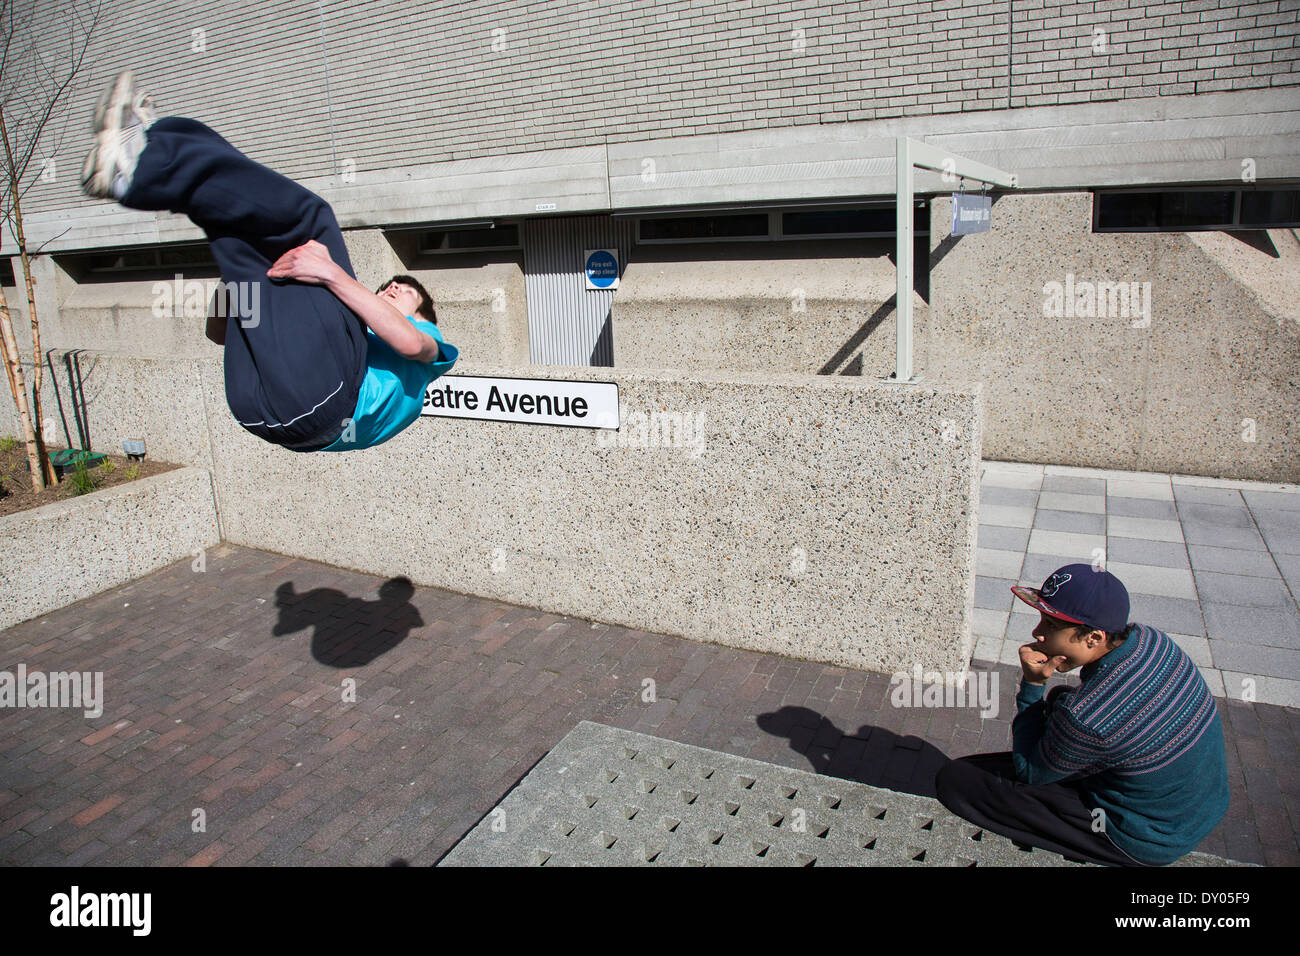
<point>869,221</point>
<point>192,260</point>
<point>1196,209</point>
<point>470,240</point>
<point>687,228</point>
<point>7,272</point>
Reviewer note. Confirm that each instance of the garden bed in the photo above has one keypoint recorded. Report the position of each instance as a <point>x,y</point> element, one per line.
<point>16,480</point>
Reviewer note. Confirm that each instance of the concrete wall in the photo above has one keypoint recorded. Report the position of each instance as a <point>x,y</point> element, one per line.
<point>298,83</point>
<point>846,532</point>
<point>814,307</point>
<point>1221,350</point>
<point>63,552</point>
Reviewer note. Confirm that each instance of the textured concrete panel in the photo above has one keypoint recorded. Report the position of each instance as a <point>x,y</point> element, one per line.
<point>816,517</point>
<point>795,307</point>
<point>1207,384</point>
<point>60,553</point>
<point>610,797</point>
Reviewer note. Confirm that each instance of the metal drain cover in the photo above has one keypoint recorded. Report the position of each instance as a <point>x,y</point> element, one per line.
<point>610,797</point>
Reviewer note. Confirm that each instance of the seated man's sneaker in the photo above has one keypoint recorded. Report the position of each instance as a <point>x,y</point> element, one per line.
<point>121,118</point>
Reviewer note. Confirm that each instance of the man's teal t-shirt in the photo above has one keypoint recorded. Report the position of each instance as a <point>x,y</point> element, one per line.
<point>392,393</point>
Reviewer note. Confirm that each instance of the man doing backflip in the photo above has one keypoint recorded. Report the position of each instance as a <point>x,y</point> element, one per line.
<point>325,364</point>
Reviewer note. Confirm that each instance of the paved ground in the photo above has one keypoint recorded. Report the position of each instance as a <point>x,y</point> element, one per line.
<point>225,738</point>
<point>1214,564</point>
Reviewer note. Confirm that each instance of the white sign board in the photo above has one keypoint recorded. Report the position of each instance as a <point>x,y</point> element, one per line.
<point>535,401</point>
<point>971,214</point>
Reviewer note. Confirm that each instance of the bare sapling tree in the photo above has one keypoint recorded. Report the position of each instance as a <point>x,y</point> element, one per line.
<point>40,58</point>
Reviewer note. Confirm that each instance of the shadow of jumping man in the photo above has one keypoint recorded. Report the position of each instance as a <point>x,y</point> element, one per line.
<point>870,755</point>
<point>349,632</point>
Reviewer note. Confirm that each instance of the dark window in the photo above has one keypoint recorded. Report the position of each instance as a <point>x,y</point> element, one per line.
<point>1200,209</point>
<point>7,272</point>
<point>1270,209</point>
<point>193,261</point>
<point>706,227</point>
<point>825,222</point>
<point>466,240</point>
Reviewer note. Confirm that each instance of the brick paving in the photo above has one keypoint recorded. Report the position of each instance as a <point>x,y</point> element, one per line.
<point>226,738</point>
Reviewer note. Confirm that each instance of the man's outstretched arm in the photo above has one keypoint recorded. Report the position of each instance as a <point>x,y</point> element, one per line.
<point>311,263</point>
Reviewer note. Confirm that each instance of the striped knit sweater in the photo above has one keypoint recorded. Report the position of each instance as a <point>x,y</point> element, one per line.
<point>1143,737</point>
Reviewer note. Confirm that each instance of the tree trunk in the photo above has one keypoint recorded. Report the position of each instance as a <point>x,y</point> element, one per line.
<point>17,383</point>
<point>37,458</point>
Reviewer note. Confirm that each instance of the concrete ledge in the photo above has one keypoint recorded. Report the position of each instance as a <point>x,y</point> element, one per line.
<point>58,554</point>
<point>819,517</point>
<point>814,517</point>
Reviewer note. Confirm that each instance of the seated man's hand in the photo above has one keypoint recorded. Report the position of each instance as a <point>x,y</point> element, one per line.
<point>1035,666</point>
<point>309,263</point>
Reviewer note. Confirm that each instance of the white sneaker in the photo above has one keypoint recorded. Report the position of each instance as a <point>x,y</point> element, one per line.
<point>121,118</point>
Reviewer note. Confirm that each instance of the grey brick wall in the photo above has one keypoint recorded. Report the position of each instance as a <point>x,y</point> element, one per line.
<point>314,88</point>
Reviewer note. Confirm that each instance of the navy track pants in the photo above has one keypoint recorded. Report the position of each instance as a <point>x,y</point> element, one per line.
<point>295,356</point>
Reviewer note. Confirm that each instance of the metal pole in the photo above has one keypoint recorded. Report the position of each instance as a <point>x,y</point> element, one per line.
<point>903,261</point>
<point>912,153</point>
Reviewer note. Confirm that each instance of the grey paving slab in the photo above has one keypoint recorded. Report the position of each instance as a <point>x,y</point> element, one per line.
<point>1156,489</point>
<point>610,797</point>
<point>1146,579</point>
<point>1065,542</point>
<point>1039,567</point>
<point>993,475</point>
<point>1018,497</point>
<point>1241,589</point>
<point>1142,508</point>
<point>1232,561</point>
<point>1064,501</point>
<point>1281,529</point>
<point>1163,554</point>
<point>1289,565</point>
<point>1167,614</point>
<point>1199,494</point>
<point>1197,648</point>
<point>1007,516</point>
<point>1246,539</point>
<point>1074,485</point>
<point>993,593</point>
<point>1214,516</point>
<point>1285,500</point>
<point>1070,521</point>
<point>1147,529</point>
<point>998,564</point>
<point>1252,659</point>
<point>1266,627</point>
<point>989,623</point>
<point>1274,690</point>
<point>1003,539</point>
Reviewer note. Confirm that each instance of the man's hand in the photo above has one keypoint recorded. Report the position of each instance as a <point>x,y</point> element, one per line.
<point>310,263</point>
<point>1035,666</point>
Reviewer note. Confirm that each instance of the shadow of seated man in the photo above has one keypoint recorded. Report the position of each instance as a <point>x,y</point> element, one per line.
<point>349,632</point>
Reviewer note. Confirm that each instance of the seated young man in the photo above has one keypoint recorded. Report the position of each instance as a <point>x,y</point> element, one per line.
<point>1126,769</point>
<point>323,364</point>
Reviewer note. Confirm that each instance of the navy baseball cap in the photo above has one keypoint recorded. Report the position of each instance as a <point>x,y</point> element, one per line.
<point>1080,594</point>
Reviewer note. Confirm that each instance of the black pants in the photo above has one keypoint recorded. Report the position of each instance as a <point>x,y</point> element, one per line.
<point>295,355</point>
<point>1055,816</point>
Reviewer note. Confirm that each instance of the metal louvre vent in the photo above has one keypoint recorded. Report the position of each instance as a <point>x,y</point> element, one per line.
<point>609,797</point>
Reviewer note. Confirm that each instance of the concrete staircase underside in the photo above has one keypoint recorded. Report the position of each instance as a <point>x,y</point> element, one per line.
<point>610,797</point>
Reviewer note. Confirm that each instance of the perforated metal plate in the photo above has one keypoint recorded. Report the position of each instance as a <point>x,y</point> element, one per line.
<point>610,797</point>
